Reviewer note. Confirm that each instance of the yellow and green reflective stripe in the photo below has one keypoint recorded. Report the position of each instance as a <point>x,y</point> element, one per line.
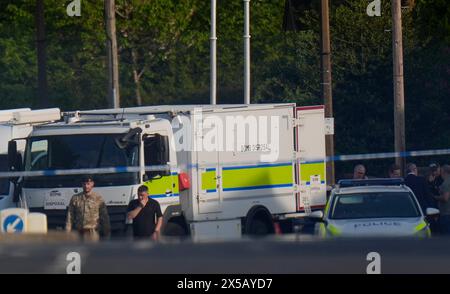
<point>158,187</point>
<point>333,230</point>
<point>312,169</point>
<point>322,230</point>
<point>419,229</point>
<point>420,226</point>
<point>209,180</point>
<point>249,177</point>
<point>263,176</point>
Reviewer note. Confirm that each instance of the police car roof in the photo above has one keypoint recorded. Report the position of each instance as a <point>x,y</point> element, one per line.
<point>371,185</point>
<point>371,189</point>
<point>371,182</point>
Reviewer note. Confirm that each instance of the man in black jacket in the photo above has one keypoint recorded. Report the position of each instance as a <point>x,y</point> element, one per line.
<point>419,187</point>
<point>146,215</point>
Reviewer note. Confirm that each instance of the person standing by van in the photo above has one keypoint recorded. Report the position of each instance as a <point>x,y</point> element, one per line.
<point>146,215</point>
<point>444,201</point>
<point>434,179</point>
<point>87,213</point>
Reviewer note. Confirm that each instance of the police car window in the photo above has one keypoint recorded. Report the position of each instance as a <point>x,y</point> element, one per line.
<point>4,183</point>
<point>374,205</point>
<point>351,200</point>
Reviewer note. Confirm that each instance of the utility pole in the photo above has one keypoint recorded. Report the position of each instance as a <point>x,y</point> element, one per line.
<point>247,51</point>
<point>326,85</point>
<point>42,91</point>
<point>113,62</point>
<point>213,42</point>
<point>399,93</point>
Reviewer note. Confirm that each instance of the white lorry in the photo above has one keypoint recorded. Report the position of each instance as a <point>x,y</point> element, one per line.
<point>15,124</point>
<point>227,169</point>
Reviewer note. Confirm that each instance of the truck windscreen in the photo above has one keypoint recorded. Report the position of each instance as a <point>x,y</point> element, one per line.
<point>4,183</point>
<point>79,152</point>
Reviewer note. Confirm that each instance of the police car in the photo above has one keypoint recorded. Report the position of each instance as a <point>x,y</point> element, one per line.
<point>374,207</point>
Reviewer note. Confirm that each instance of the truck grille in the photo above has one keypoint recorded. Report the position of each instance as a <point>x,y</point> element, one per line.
<point>56,219</point>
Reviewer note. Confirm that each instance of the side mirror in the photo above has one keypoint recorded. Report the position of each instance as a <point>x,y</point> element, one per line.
<point>132,137</point>
<point>14,159</point>
<point>432,211</point>
<point>316,215</point>
<point>12,156</point>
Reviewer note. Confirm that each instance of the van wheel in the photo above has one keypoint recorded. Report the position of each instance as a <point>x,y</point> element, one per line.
<point>259,227</point>
<point>258,222</point>
<point>175,227</point>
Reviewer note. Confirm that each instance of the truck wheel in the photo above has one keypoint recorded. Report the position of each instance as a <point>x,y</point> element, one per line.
<point>259,222</point>
<point>175,227</point>
<point>259,228</point>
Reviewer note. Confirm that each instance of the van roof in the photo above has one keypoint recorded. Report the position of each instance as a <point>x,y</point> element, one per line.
<point>182,108</point>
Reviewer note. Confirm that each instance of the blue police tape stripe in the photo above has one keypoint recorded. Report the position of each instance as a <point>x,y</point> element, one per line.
<point>50,173</point>
<point>210,169</point>
<point>121,169</point>
<point>389,155</point>
<point>196,166</point>
<point>108,170</point>
<point>312,161</point>
<point>258,187</point>
<point>211,191</point>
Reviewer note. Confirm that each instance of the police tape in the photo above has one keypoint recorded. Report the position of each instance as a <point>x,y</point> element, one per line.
<point>389,155</point>
<point>178,168</point>
<point>84,171</point>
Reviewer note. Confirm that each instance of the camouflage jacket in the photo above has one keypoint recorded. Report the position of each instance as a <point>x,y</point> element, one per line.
<point>88,212</point>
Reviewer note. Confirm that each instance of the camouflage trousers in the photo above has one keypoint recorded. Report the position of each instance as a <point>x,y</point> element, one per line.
<point>89,235</point>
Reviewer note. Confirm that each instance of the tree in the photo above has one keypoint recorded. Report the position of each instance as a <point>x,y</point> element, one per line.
<point>150,32</point>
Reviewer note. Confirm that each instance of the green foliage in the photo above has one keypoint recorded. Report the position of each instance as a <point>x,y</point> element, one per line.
<point>434,19</point>
<point>164,59</point>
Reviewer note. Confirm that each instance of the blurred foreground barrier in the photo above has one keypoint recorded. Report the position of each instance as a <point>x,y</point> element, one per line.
<point>19,225</point>
<point>19,220</point>
<point>55,237</point>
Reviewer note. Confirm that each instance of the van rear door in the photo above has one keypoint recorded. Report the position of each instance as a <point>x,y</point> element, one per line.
<point>311,158</point>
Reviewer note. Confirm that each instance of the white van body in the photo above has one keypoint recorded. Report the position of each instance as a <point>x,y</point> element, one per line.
<point>247,165</point>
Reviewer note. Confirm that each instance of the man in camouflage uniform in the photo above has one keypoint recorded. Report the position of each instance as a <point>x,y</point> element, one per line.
<point>87,213</point>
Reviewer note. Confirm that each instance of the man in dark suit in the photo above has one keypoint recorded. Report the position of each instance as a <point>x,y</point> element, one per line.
<point>419,187</point>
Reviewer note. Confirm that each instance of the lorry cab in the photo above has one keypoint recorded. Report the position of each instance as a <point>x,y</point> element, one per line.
<point>116,150</point>
<point>16,124</point>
